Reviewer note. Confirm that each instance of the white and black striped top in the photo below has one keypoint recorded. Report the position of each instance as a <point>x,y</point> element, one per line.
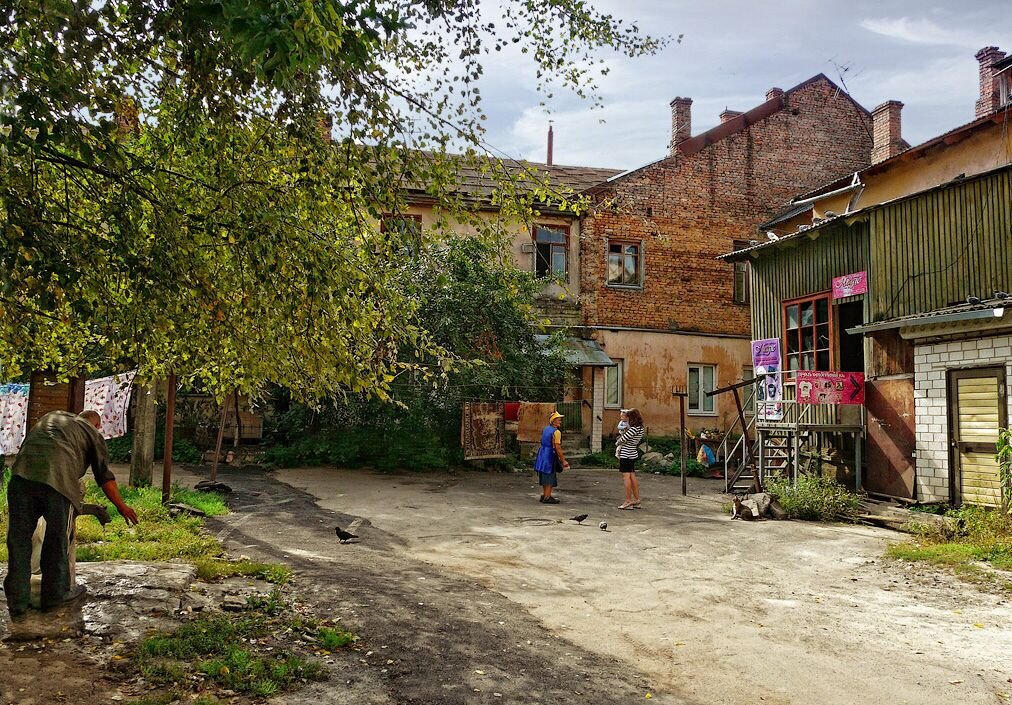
<point>629,443</point>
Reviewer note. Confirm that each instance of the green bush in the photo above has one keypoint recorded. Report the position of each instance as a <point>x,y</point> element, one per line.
<point>183,451</point>
<point>814,498</point>
<point>605,458</point>
<point>383,449</point>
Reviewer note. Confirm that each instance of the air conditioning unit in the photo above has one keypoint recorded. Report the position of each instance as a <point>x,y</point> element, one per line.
<point>527,248</point>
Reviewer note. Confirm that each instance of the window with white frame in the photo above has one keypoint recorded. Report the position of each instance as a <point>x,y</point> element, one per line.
<point>702,379</point>
<point>613,383</point>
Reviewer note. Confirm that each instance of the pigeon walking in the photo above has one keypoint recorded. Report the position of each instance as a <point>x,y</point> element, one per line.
<point>579,518</point>
<point>345,536</point>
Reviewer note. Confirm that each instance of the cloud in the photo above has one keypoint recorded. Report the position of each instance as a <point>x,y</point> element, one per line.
<point>923,31</point>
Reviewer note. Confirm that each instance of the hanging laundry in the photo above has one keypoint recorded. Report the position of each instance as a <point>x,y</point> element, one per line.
<point>482,430</point>
<point>13,417</point>
<point>110,397</point>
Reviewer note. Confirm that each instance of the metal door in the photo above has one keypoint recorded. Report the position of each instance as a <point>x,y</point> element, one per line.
<point>977,409</point>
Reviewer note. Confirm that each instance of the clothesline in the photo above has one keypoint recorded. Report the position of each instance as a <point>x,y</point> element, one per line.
<point>109,396</point>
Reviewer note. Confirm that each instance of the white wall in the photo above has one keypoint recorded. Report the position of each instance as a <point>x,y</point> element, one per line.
<point>931,362</point>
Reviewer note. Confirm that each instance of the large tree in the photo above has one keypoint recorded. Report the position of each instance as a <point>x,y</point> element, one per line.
<point>195,185</point>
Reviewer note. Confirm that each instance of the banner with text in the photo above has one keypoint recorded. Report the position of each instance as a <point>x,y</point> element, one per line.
<point>830,387</point>
<point>850,285</point>
<point>770,390</point>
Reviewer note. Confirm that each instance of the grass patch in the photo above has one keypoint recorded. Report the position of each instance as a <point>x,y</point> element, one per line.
<point>159,536</point>
<point>814,498</point>
<point>985,540</point>
<point>247,653</point>
<point>211,569</point>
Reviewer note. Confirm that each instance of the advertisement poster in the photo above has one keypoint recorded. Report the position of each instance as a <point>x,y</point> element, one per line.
<point>770,391</point>
<point>830,387</point>
<point>850,285</point>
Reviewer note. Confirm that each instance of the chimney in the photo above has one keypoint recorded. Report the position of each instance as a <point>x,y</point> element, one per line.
<point>551,143</point>
<point>774,93</point>
<point>987,103</point>
<point>886,140</point>
<point>729,115</point>
<point>681,122</point>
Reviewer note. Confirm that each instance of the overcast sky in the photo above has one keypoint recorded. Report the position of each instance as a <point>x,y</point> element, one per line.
<point>733,51</point>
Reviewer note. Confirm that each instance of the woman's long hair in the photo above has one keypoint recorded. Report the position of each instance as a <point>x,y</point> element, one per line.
<point>635,418</point>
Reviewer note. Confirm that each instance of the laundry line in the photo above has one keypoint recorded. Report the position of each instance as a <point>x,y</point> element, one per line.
<point>109,396</point>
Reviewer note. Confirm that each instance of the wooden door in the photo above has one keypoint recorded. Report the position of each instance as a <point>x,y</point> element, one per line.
<point>891,437</point>
<point>977,409</point>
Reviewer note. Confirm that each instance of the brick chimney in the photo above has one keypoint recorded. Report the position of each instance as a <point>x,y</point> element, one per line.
<point>887,141</point>
<point>681,121</point>
<point>987,103</point>
<point>729,114</point>
<point>551,144</point>
<point>774,93</point>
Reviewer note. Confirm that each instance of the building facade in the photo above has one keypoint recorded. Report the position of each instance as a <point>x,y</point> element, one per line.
<point>653,293</point>
<point>929,229</point>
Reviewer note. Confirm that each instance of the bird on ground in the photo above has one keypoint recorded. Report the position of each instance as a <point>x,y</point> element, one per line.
<point>603,526</point>
<point>578,518</point>
<point>345,536</point>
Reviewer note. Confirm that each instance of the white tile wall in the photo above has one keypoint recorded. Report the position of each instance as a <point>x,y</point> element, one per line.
<point>931,363</point>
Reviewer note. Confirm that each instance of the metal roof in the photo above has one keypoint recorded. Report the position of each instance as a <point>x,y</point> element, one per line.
<point>584,353</point>
<point>990,309</point>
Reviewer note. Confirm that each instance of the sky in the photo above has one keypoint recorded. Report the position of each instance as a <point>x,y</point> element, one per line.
<point>733,51</point>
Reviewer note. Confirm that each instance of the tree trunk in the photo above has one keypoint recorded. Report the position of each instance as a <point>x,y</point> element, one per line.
<point>142,456</point>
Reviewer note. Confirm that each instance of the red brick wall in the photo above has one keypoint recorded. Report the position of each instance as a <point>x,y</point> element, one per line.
<point>44,396</point>
<point>699,204</point>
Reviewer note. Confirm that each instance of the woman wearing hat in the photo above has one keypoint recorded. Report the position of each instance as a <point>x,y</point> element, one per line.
<point>550,458</point>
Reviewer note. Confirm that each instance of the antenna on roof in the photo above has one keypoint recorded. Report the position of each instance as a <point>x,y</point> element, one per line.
<point>551,141</point>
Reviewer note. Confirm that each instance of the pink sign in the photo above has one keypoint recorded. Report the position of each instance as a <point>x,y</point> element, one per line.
<point>829,387</point>
<point>850,285</point>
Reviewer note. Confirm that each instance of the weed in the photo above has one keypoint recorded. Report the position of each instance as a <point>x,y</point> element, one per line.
<point>814,498</point>
<point>985,540</point>
<point>332,639</point>
<point>239,653</point>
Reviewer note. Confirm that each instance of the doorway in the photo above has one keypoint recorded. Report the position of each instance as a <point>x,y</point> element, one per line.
<point>977,410</point>
<point>850,315</point>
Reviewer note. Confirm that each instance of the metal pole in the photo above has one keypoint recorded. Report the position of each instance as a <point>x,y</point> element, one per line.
<point>170,418</point>
<point>681,414</point>
<point>857,460</point>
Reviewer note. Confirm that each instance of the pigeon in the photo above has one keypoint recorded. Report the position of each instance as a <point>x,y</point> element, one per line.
<point>578,518</point>
<point>345,536</point>
<point>603,526</point>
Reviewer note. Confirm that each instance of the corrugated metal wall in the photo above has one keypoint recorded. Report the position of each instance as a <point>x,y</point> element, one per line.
<point>784,273</point>
<point>939,248</point>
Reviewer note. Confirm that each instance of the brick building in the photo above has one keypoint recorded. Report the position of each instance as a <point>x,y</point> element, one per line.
<point>653,294</point>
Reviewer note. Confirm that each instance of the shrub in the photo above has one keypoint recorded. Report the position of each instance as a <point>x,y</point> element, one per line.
<point>183,451</point>
<point>814,498</point>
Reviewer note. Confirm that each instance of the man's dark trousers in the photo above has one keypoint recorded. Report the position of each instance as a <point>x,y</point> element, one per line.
<point>26,502</point>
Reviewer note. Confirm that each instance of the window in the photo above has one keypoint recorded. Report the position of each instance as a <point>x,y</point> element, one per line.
<point>702,379</point>
<point>748,393</point>
<point>613,378</point>
<point>551,250</point>
<point>741,275</point>
<point>625,264</point>
<point>741,272</point>
<point>808,334</point>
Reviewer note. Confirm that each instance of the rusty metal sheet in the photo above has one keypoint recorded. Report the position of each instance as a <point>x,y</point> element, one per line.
<point>891,437</point>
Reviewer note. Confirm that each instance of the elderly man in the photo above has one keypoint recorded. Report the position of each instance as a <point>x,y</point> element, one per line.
<point>46,482</point>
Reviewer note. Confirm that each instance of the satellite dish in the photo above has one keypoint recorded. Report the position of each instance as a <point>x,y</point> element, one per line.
<point>772,237</point>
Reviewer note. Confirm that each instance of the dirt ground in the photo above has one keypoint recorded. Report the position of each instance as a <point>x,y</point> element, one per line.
<point>678,600</point>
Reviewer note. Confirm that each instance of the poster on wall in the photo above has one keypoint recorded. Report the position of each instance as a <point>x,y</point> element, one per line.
<point>770,391</point>
<point>850,285</point>
<point>816,387</point>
